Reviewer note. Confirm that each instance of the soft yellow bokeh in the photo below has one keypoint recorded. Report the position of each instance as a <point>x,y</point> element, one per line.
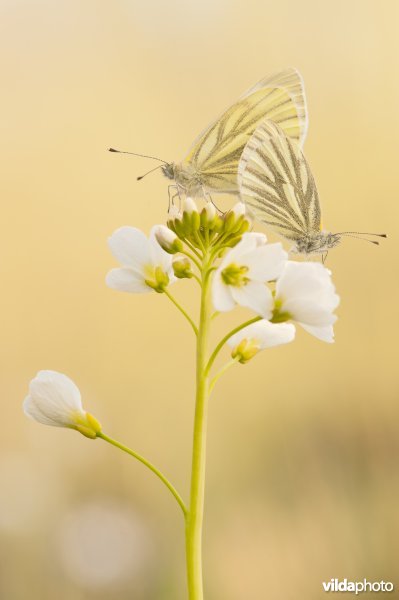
<point>303,458</point>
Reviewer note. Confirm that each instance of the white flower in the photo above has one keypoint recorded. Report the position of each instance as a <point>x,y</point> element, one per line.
<point>242,275</point>
<point>146,266</point>
<point>55,400</point>
<point>306,294</point>
<point>257,336</point>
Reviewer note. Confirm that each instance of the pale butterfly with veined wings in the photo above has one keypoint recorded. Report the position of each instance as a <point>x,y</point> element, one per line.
<point>277,185</point>
<point>211,164</point>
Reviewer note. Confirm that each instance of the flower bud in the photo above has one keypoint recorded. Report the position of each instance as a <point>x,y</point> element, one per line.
<point>182,268</point>
<point>246,350</point>
<point>189,206</point>
<point>191,217</point>
<point>55,400</point>
<point>208,216</point>
<point>235,219</point>
<point>238,209</point>
<point>168,240</point>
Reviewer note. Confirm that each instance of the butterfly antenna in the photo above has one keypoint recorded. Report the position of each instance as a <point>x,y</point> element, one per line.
<point>135,154</point>
<point>383,235</point>
<point>148,172</point>
<point>358,237</point>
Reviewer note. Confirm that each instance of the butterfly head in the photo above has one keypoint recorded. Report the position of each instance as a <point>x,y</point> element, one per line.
<point>168,169</point>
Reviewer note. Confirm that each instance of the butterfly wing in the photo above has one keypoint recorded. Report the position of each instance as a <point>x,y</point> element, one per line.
<point>276,183</point>
<point>216,153</point>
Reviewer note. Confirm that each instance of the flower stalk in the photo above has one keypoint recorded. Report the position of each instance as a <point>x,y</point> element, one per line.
<point>149,465</point>
<point>232,267</point>
<point>194,516</point>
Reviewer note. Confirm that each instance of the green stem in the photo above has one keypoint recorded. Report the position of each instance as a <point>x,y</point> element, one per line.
<point>197,279</point>
<point>175,302</point>
<point>224,340</point>
<point>194,251</point>
<point>194,517</point>
<point>225,367</point>
<point>149,465</point>
<point>192,258</point>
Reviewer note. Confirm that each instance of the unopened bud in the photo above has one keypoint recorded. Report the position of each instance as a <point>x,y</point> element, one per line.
<point>191,218</point>
<point>238,209</point>
<point>235,218</point>
<point>182,268</point>
<point>189,206</point>
<point>208,215</point>
<point>168,240</point>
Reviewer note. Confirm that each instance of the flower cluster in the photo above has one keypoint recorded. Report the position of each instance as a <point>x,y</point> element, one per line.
<point>250,273</point>
<point>240,267</point>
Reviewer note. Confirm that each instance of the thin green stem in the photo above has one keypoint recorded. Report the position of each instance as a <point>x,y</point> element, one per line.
<point>197,279</point>
<point>194,517</point>
<point>149,465</point>
<point>194,250</point>
<point>221,371</point>
<point>175,302</point>
<point>199,241</point>
<point>192,258</point>
<point>224,340</point>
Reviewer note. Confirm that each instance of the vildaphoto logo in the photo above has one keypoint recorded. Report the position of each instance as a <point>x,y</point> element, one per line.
<point>357,587</point>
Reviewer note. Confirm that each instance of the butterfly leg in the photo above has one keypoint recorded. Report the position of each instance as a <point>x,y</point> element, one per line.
<point>324,257</point>
<point>173,196</point>
<point>208,198</point>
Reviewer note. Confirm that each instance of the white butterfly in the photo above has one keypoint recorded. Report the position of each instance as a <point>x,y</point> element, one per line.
<point>276,183</point>
<point>211,164</point>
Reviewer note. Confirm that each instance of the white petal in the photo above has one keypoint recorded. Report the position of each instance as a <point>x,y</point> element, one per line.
<point>158,256</point>
<point>265,333</point>
<point>324,333</point>
<point>254,295</point>
<point>125,279</point>
<point>45,414</point>
<point>247,243</point>
<point>221,295</point>
<point>163,235</point>
<point>210,211</point>
<point>266,262</point>
<point>53,399</point>
<point>307,293</point>
<point>304,279</point>
<point>130,247</point>
<point>189,206</point>
<point>51,385</point>
<point>310,311</point>
<point>239,209</point>
<point>259,238</point>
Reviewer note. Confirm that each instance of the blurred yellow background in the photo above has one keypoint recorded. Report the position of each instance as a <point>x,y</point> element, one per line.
<point>303,462</point>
